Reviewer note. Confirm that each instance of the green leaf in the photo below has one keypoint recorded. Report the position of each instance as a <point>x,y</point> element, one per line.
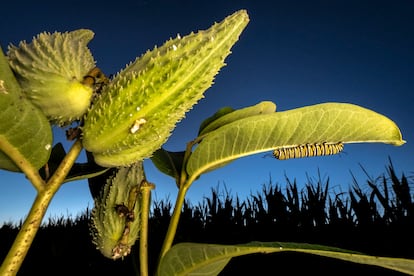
<point>138,110</point>
<point>25,133</point>
<point>221,112</point>
<point>328,122</point>
<point>210,259</point>
<point>78,171</point>
<point>223,119</point>
<point>56,156</point>
<point>169,162</point>
<point>81,171</point>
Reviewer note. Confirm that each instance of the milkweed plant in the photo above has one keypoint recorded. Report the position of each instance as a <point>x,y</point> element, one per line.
<point>119,121</point>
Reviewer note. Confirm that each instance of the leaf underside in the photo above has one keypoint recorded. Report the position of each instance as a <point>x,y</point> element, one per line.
<point>321,123</point>
<point>210,259</point>
<point>168,162</point>
<point>25,133</point>
<point>224,116</point>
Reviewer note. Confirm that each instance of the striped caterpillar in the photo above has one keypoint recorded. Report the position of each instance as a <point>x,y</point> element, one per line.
<point>308,150</point>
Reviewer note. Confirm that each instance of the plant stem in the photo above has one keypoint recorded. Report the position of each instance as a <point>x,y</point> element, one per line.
<point>24,165</point>
<point>172,228</point>
<point>143,240</point>
<point>183,185</point>
<point>24,238</point>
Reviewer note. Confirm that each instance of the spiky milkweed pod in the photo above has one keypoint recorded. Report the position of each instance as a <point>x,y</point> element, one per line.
<point>50,71</point>
<point>116,217</point>
<point>137,111</point>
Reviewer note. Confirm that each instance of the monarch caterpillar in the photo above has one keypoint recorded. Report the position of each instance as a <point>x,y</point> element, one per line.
<point>308,150</point>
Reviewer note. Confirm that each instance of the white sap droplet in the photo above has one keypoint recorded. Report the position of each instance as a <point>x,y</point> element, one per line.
<point>178,36</point>
<point>2,88</point>
<point>138,108</point>
<point>212,38</point>
<point>174,47</point>
<point>47,147</point>
<point>137,124</point>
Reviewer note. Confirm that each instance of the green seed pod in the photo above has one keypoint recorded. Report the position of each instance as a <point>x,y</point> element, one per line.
<point>116,217</point>
<point>137,111</point>
<point>50,71</point>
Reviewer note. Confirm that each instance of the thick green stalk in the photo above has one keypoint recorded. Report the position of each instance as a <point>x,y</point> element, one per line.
<point>143,241</point>
<point>24,238</point>
<point>183,183</point>
<point>172,228</point>
<point>25,166</point>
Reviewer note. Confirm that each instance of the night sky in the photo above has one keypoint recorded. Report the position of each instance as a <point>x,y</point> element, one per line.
<point>294,53</point>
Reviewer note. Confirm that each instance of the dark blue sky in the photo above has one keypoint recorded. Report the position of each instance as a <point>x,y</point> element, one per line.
<point>294,53</point>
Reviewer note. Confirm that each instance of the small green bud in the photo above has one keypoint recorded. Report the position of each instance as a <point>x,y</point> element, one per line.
<point>50,71</point>
<point>116,217</point>
<point>137,111</point>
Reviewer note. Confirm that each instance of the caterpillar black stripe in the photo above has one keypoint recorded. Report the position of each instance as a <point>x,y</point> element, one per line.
<point>308,150</point>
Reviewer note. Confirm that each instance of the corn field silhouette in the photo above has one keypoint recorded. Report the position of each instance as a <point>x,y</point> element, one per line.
<point>374,217</point>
